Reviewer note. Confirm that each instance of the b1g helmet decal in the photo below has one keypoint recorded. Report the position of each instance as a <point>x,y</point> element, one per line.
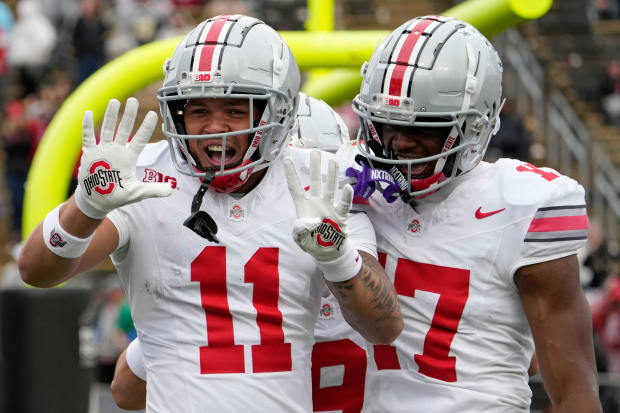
<point>432,71</point>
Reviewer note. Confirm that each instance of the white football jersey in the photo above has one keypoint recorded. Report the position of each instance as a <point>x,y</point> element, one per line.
<point>224,327</point>
<point>339,362</point>
<point>466,345</point>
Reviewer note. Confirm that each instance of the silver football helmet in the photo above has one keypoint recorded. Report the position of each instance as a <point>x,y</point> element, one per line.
<point>317,125</point>
<point>231,56</point>
<point>432,71</point>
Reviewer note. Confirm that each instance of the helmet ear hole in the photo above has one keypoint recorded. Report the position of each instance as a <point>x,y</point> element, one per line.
<point>259,105</point>
<point>177,108</point>
<point>451,161</point>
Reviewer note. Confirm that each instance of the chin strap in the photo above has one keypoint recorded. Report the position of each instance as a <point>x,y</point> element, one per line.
<point>399,177</point>
<point>200,221</point>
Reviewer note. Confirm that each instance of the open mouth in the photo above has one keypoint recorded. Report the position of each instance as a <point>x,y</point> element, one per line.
<point>216,156</point>
<point>418,170</point>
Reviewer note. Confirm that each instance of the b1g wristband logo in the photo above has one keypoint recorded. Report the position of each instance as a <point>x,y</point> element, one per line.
<point>329,234</point>
<point>102,178</point>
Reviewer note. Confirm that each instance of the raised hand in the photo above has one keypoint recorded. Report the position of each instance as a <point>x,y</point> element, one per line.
<point>106,179</point>
<point>320,228</point>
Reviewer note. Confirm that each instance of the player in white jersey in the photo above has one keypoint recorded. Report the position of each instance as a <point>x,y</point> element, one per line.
<point>482,255</point>
<point>339,362</point>
<point>339,353</point>
<point>338,356</point>
<point>223,301</point>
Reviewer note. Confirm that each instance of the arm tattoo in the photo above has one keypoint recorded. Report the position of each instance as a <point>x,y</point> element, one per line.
<point>376,281</point>
<point>373,279</point>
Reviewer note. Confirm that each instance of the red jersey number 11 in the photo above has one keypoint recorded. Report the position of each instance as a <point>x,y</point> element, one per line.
<point>222,355</point>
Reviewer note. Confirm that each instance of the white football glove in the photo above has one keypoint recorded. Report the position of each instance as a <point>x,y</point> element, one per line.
<point>320,228</point>
<point>106,179</point>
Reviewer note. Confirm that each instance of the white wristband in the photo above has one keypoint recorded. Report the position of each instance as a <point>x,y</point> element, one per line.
<point>85,207</point>
<point>342,268</point>
<point>135,360</point>
<point>59,241</point>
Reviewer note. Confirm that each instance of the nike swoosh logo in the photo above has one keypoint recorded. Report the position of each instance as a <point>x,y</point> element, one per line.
<point>481,215</point>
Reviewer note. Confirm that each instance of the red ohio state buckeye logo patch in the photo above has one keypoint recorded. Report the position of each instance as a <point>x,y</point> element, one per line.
<point>103,179</point>
<point>414,226</point>
<point>236,213</point>
<point>326,310</point>
<point>56,239</point>
<point>329,234</point>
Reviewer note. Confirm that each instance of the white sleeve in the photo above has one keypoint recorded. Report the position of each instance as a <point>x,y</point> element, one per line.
<point>361,233</point>
<point>560,225</point>
<point>135,361</point>
<point>120,218</point>
<point>558,228</point>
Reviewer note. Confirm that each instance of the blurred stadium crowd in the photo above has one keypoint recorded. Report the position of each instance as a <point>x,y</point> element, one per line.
<point>48,47</point>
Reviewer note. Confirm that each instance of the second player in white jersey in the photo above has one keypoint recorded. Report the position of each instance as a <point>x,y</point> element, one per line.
<point>483,256</point>
<point>339,362</point>
<point>467,344</point>
<point>338,356</point>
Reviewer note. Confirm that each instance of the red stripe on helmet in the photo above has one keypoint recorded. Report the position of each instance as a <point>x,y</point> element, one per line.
<point>206,57</point>
<point>396,82</point>
<point>404,55</point>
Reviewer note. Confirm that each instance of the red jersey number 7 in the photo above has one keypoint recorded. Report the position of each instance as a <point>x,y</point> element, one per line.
<point>452,285</point>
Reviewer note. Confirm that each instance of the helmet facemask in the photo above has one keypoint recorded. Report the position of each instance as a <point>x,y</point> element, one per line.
<point>229,175</point>
<point>444,160</point>
<point>258,130</point>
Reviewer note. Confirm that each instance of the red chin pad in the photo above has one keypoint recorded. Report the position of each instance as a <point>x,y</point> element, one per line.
<point>228,183</point>
<point>425,183</point>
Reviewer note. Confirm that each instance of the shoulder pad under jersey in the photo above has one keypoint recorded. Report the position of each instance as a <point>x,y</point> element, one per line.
<point>523,184</point>
<point>153,153</point>
<point>552,206</point>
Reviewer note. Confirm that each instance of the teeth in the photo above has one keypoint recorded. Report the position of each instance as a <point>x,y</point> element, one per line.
<point>214,148</point>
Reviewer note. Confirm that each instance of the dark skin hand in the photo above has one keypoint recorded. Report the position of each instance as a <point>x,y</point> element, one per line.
<point>561,325</point>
